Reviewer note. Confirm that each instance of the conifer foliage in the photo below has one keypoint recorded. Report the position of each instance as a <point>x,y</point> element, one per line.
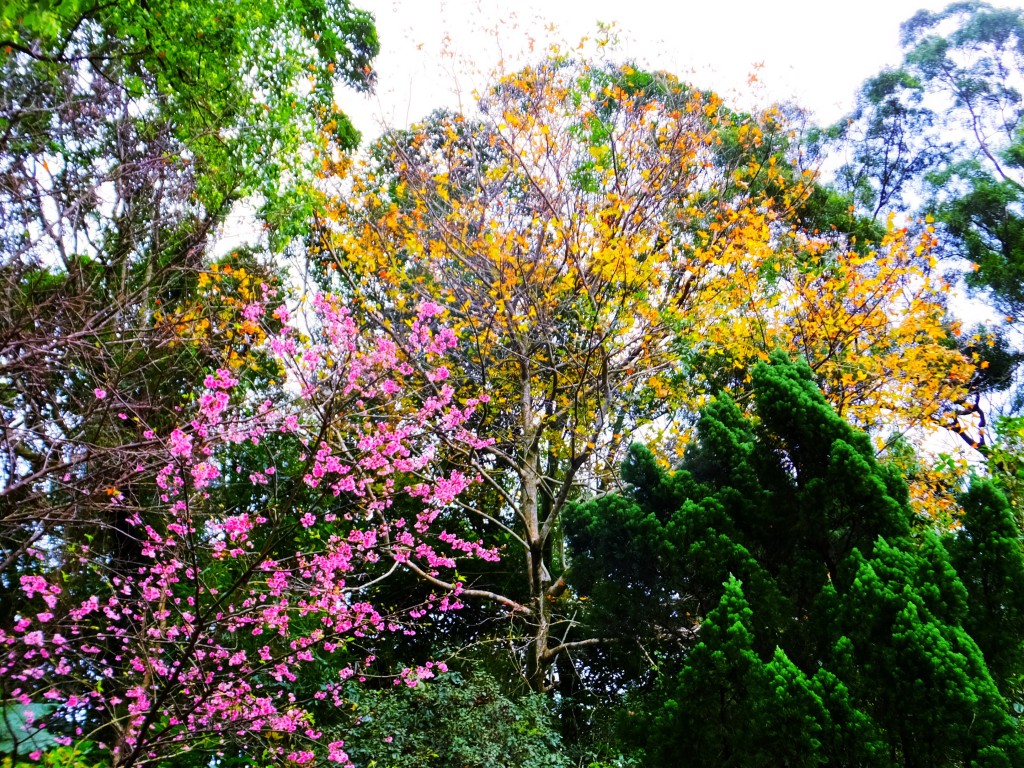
<point>803,615</point>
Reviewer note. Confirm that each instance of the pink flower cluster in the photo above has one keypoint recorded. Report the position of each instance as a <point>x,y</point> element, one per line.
<point>189,658</point>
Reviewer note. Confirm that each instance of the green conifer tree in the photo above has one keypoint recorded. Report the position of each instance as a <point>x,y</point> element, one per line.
<point>853,640</point>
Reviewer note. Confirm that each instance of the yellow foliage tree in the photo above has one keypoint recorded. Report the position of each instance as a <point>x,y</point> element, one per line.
<point>612,246</point>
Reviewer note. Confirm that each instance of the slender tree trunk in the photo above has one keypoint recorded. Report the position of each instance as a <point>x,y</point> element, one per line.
<point>538,576</point>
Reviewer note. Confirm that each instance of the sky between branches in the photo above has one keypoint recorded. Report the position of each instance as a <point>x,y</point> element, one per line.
<point>436,52</point>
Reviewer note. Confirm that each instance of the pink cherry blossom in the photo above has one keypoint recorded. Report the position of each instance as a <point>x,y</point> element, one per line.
<point>158,636</point>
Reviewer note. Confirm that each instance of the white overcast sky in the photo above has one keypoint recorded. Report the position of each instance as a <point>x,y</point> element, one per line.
<point>813,53</point>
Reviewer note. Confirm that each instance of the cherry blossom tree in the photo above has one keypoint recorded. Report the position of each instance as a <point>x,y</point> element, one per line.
<point>198,642</point>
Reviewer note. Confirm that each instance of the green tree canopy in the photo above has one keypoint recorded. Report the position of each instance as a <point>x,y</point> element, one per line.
<point>798,612</point>
<point>942,136</point>
<point>128,131</point>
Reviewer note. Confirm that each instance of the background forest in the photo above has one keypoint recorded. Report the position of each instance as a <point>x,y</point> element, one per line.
<point>601,423</point>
